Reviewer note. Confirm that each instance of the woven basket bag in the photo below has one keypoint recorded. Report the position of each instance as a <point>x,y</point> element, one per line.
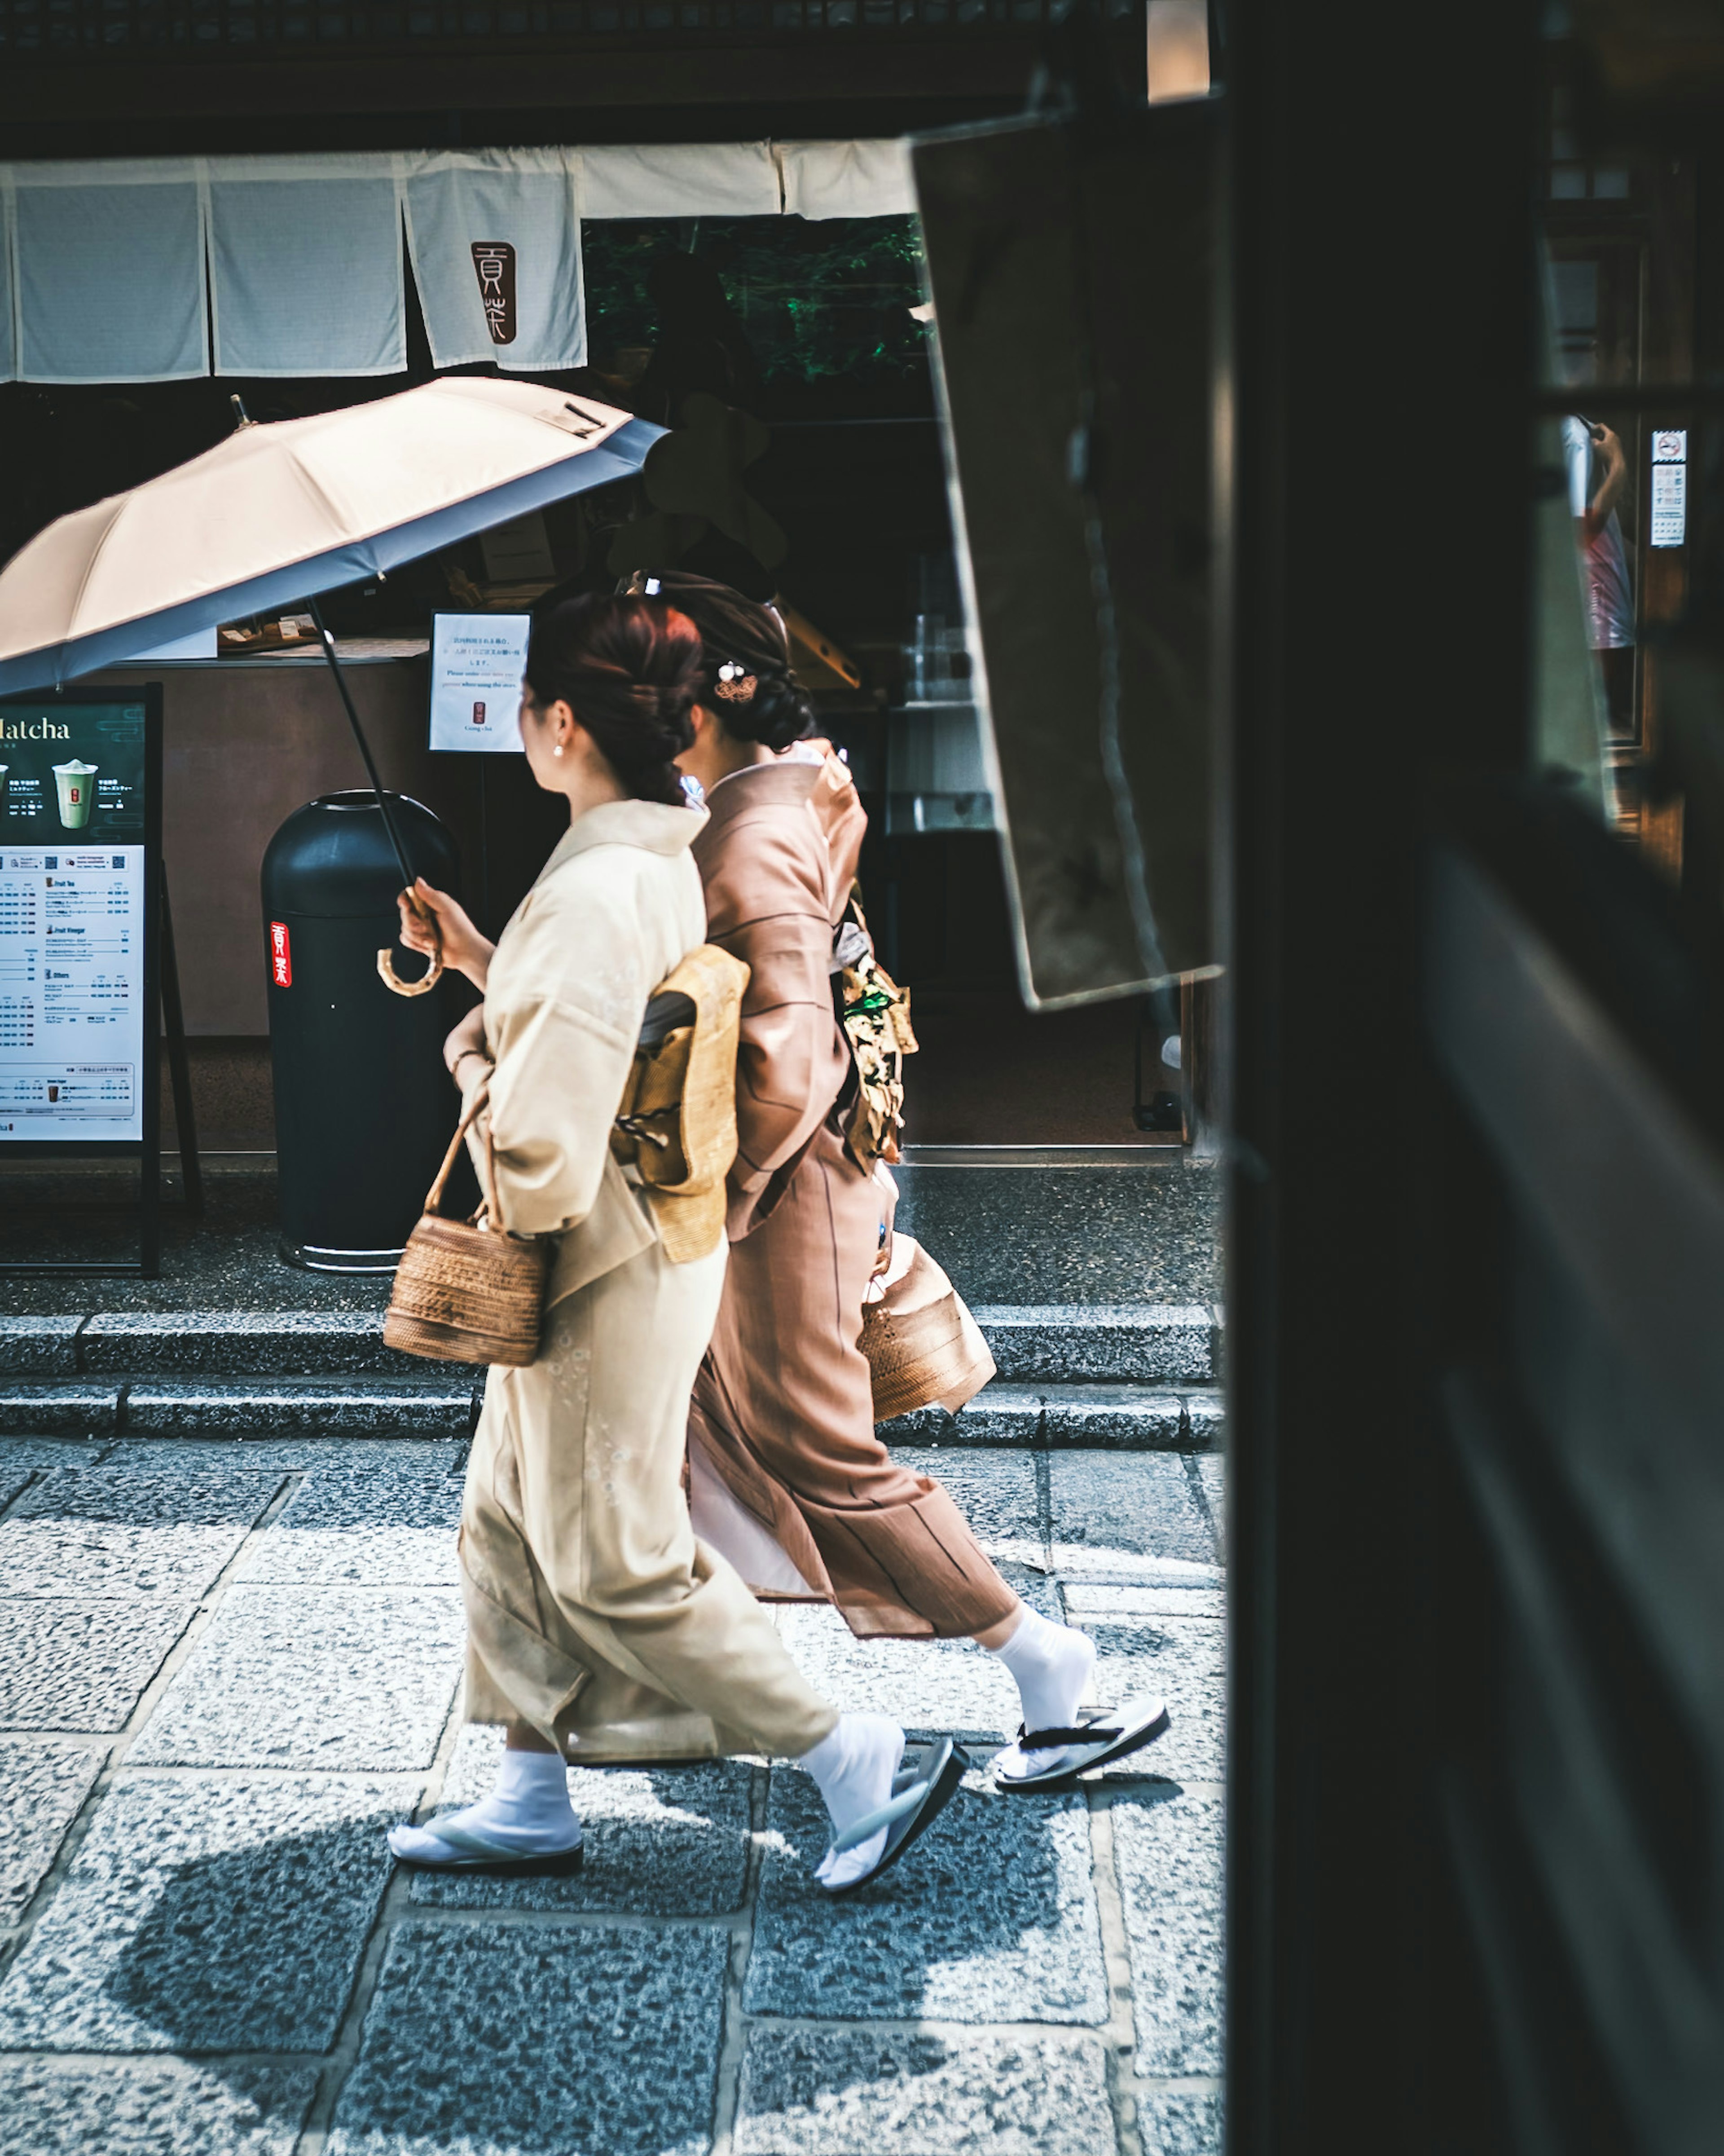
<point>467,1291</point>
<point>924,1348</point>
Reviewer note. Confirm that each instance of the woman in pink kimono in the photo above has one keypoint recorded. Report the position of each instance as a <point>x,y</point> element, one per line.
<point>787,1474</point>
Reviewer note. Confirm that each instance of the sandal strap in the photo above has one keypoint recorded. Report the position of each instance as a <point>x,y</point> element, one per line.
<point>1045,1740</point>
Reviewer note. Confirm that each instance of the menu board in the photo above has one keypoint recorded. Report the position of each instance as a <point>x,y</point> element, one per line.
<point>75,878</point>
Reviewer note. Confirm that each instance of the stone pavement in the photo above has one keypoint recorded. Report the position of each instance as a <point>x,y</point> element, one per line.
<point>224,1667</point>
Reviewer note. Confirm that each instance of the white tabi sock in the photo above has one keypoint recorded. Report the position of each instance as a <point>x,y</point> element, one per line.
<point>1053,1666</point>
<point>853,1768</point>
<point>527,1814</point>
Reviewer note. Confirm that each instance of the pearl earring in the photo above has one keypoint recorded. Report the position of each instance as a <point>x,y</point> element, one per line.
<point>557,751</point>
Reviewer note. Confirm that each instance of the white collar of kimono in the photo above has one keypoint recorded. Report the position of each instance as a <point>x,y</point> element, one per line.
<point>655,825</point>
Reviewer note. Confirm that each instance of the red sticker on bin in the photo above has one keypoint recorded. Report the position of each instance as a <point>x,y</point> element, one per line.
<point>280,955</point>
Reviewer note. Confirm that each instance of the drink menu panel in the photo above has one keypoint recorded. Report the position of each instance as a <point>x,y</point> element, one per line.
<point>72,903</point>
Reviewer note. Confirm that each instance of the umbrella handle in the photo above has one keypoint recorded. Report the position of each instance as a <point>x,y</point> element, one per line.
<point>433,973</point>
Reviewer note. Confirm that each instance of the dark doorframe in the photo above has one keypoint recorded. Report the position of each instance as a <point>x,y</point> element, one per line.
<point>1381,342</point>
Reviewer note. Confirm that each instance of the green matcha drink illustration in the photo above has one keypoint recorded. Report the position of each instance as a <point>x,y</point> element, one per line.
<point>76,782</point>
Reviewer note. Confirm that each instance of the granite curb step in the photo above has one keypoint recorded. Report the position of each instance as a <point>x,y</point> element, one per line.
<point>1163,1344</point>
<point>1090,1417</point>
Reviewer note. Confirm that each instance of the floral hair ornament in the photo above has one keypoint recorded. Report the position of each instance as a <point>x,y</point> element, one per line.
<point>735,684</point>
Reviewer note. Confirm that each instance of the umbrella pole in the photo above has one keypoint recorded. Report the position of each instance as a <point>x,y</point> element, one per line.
<point>385,967</point>
<point>328,643</point>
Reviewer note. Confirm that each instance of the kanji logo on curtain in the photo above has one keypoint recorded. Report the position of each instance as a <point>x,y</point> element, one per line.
<point>493,265</point>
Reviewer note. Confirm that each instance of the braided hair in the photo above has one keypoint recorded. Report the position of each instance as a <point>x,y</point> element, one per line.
<point>745,666</point>
<point>630,670</point>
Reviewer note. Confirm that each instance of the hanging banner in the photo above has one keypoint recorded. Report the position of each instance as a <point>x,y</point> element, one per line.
<point>306,261</point>
<point>477,660</point>
<point>680,179</point>
<point>846,179</point>
<point>110,280</point>
<point>495,238</point>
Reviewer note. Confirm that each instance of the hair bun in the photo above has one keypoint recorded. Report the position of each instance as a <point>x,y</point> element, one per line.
<point>778,713</point>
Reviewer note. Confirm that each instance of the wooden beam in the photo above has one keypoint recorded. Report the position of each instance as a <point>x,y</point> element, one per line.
<point>663,79</point>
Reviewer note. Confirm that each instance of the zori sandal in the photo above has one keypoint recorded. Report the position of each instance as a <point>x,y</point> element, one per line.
<point>471,1851</point>
<point>919,1793</point>
<point>1099,1735</point>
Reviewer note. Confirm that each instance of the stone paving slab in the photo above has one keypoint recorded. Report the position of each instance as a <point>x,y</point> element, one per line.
<point>345,1679</point>
<point>74,1663</point>
<point>206,1913</point>
<point>97,1530</point>
<point>13,1479</point>
<point>1167,1852</point>
<point>994,1490</point>
<point>433,1408</point>
<point>32,1455</point>
<point>856,2092</point>
<point>151,2107</point>
<point>512,2041</point>
<point>261,1343</point>
<point>1184,1659</point>
<point>1180,2123</point>
<point>66,1409</point>
<point>1112,1512</point>
<point>1206,1419</point>
<point>949,1686</point>
<point>45,1347</point>
<point>382,1527</point>
<point>663,1841</point>
<point>43,1786</point>
<point>991,1917</point>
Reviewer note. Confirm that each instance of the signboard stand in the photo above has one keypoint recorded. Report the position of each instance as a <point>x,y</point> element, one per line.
<point>86,955</point>
<point>477,661</point>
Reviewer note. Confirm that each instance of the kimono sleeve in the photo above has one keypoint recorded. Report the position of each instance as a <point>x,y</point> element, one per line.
<point>560,1075</point>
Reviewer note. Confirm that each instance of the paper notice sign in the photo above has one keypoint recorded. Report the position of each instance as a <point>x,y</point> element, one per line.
<point>477,660</point>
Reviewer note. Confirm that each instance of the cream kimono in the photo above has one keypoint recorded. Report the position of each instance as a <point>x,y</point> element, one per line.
<point>592,1612</point>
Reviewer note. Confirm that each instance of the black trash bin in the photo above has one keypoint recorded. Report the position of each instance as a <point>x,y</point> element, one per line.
<point>364,1108</point>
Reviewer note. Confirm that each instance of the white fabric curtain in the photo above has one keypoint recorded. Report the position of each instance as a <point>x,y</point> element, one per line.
<point>110,270</point>
<point>8,284</point>
<point>680,179</point>
<point>494,237</point>
<point>846,179</point>
<point>306,256</point>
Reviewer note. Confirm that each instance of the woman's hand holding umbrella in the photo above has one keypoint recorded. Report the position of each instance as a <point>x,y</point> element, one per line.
<point>435,924</point>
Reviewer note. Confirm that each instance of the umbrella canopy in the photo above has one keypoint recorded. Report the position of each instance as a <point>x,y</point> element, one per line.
<point>278,513</point>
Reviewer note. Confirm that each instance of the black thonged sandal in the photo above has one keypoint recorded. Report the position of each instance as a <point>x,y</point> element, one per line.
<point>1099,1736</point>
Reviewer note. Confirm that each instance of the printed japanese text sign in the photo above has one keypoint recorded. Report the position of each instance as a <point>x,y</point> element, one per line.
<point>72,880</point>
<point>477,661</point>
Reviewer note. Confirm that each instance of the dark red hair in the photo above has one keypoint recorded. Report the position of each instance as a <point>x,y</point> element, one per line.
<point>629,668</point>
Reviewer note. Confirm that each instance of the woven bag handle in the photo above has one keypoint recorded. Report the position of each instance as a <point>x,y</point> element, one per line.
<point>433,1196</point>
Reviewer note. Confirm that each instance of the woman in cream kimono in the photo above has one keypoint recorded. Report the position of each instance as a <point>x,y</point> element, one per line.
<point>787,1476</point>
<point>598,1628</point>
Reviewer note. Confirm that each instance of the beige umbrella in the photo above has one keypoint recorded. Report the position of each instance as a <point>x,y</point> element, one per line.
<point>276,514</point>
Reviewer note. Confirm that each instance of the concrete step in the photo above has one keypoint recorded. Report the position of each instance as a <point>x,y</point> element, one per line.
<point>1157,1344</point>
<point>445,1404</point>
<point>1065,1418</point>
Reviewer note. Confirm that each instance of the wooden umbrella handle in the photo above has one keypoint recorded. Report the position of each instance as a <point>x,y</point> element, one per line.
<point>433,973</point>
